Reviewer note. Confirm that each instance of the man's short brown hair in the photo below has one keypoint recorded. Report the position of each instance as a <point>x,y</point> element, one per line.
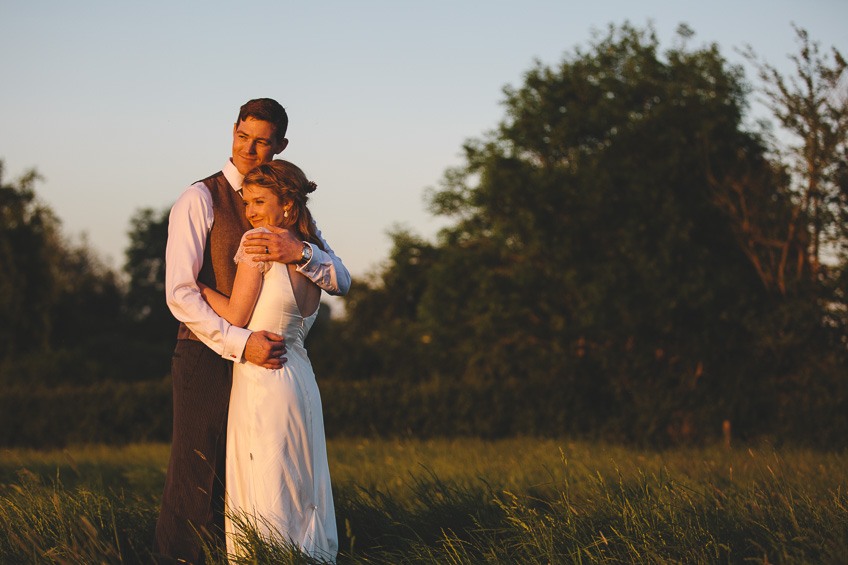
<point>267,110</point>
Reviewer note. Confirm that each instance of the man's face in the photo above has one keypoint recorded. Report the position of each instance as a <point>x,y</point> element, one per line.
<point>254,144</point>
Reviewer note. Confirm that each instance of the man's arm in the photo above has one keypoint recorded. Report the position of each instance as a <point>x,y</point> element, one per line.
<point>324,268</point>
<point>188,225</point>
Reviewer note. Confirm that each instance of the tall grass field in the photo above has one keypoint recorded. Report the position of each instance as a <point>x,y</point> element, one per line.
<point>465,501</point>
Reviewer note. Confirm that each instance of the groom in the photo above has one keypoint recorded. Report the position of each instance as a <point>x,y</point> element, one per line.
<point>205,228</point>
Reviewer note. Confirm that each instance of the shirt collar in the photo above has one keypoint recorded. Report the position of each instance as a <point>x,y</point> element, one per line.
<point>233,176</point>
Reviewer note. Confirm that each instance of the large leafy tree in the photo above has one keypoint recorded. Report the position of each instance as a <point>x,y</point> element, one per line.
<point>596,246</point>
<point>618,259</point>
<point>591,200</point>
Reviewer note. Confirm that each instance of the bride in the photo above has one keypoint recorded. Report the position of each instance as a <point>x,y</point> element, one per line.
<point>278,478</point>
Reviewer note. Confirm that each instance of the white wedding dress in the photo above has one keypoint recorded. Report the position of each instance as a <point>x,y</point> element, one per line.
<point>278,477</point>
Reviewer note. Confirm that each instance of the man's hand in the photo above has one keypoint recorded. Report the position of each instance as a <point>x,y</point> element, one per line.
<point>265,349</point>
<point>282,246</point>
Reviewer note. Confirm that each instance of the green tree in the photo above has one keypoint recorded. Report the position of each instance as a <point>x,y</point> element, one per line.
<point>381,335</point>
<point>27,241</point>
<point>145,267</point>
<point>594,256</point>
<point>87,315</point>
<point>60,304</point>
<point>149,321</point>
<point>616,266</point>
<point>811,106</point>
<point>796,236</point>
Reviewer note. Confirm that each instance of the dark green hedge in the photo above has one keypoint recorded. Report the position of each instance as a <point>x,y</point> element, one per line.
<point>116,413</point>
<point>109,413</point>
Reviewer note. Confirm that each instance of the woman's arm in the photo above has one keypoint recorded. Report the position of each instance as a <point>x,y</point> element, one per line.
<point>238,308</point>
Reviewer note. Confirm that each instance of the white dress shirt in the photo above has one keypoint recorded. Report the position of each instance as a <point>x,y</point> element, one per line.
<point>189,223</point>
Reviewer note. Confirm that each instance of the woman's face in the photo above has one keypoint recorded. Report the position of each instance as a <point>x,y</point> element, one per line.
<point>262,207</point>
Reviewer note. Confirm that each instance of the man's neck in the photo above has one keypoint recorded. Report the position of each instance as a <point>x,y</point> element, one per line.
<point>233,175</point>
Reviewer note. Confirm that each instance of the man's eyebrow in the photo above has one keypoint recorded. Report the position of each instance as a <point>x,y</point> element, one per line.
<point>259,138</point>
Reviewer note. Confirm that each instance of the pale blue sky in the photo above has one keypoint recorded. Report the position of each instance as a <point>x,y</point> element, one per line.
<point>121,106</point>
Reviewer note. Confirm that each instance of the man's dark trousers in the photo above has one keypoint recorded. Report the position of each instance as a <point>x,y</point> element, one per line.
<point>193,500</point>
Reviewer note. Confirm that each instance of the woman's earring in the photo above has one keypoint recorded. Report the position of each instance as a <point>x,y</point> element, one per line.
<point>285,213</point>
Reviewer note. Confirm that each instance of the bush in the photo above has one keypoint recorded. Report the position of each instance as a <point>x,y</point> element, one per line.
<point>109,413</point>
<point>118,413</point>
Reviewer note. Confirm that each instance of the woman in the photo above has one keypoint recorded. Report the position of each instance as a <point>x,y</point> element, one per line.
<point>278,478</point>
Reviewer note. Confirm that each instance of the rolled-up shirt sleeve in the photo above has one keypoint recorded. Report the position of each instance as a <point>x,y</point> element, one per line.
<point>326,270</point>
<point>189,223</point>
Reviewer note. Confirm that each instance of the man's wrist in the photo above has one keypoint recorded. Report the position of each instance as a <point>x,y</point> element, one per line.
<point>235,344</point>
<point>305,254</point>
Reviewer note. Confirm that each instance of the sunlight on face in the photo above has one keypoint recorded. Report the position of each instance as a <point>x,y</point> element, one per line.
<point>262,207</point>
<point>254,143</point>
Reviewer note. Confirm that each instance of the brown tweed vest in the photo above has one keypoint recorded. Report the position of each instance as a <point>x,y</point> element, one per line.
<point>229,224</point>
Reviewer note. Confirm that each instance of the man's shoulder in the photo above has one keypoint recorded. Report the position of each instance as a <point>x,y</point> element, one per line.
<point>211,179</point>
<point>203,188</point>
<point>194,195</point>
<point>218,185</point>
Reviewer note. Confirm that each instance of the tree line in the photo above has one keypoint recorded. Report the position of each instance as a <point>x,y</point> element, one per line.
<point>630,256</point>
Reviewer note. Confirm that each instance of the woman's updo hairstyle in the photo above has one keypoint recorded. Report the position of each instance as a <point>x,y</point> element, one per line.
<point>291,186</point>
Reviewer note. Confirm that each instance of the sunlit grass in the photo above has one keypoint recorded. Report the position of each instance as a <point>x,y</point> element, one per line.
<point>465,501</point>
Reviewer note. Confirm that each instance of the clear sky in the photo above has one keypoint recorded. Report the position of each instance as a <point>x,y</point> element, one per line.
<point>121,105</point>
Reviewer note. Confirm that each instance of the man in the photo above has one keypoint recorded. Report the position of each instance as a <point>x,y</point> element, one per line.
<point>205,227</point>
